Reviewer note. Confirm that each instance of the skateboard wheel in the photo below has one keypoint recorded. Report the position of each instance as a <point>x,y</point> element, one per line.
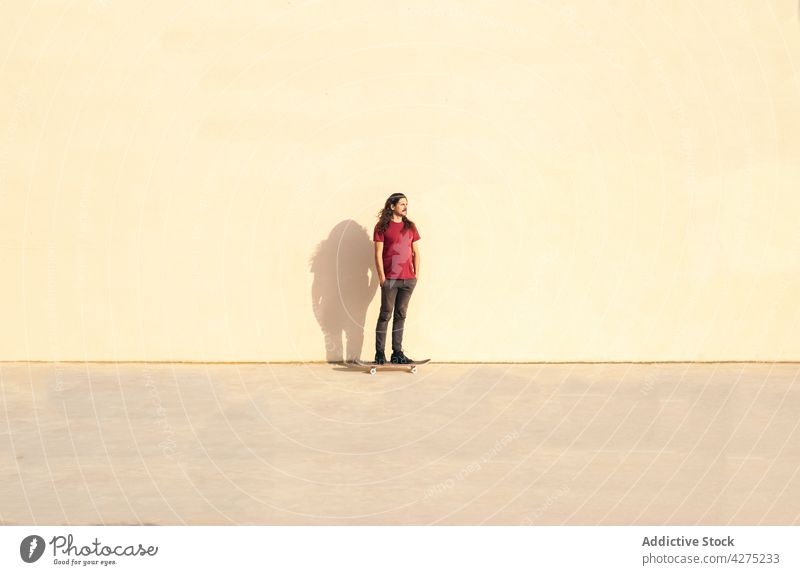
<point>373,371</point>
<point>413,369</point>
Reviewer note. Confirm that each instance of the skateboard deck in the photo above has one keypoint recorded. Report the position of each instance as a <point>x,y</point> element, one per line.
<point>374,367</point>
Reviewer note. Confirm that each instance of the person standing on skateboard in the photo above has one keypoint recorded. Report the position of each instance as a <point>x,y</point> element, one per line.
<point>397,259</point>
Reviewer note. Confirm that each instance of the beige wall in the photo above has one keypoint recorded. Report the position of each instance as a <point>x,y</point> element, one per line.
<point>591,180</point>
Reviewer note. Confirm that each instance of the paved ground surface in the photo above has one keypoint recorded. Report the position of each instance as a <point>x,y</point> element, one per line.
<point>454,444</point>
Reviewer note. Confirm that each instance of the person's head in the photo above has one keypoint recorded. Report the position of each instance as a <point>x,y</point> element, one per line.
<point>396,205</point>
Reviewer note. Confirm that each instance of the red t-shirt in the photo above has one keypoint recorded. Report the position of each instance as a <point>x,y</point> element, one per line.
<point>398,257</point>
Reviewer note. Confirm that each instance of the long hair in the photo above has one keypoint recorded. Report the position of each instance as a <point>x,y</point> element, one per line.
<point>385,215</point>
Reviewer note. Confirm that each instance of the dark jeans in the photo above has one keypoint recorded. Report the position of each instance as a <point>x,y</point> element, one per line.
<point>395,295</point>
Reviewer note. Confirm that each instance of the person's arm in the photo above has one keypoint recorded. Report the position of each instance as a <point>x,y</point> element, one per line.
<point>415,247</point>
<point>379,262</point>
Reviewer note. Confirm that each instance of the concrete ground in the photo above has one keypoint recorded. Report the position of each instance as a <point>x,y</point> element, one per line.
<point>545,444</point>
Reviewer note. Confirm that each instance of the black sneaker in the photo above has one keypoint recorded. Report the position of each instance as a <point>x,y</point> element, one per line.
<point>380,357</point>
<point>400,357</point>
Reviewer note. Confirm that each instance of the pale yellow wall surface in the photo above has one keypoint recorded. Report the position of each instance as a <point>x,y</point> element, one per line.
<point>591,180</point>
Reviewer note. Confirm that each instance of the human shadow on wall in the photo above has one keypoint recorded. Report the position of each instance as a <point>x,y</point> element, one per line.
<point>343,287</point>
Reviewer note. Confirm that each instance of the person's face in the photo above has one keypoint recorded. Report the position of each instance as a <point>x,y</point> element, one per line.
<point>400,208</point>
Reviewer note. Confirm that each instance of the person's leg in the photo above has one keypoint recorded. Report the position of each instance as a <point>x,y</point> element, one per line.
<point>400,309</point>
<point>388,296</point>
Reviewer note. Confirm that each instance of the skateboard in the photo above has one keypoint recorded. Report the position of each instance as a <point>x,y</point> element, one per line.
<point>374,367</point>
